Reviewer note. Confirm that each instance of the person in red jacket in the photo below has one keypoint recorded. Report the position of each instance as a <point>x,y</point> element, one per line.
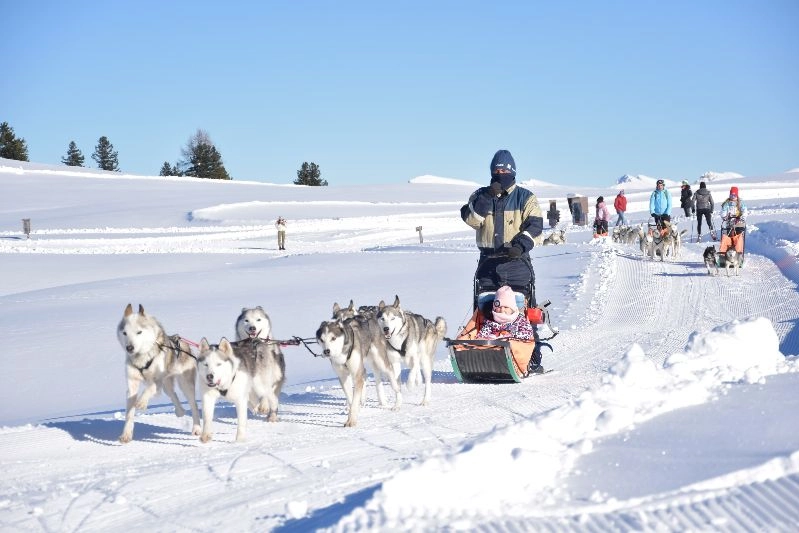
<point>620,203</point>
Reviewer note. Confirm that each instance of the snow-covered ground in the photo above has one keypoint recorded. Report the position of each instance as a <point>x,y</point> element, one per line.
<point>671,404</point>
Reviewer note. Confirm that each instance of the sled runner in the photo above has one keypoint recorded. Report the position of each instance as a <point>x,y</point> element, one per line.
<point>501,360</point>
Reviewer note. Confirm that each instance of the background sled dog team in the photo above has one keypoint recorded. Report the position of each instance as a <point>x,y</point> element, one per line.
<point>250,371</point>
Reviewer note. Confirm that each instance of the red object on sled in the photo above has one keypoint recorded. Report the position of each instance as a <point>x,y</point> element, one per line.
<point>535,315</point>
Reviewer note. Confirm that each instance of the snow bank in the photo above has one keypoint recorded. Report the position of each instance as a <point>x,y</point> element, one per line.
<point>500,473</point>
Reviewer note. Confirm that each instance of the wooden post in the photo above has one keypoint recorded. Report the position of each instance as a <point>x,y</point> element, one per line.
<point>419,229</point>
<point>26,227</point>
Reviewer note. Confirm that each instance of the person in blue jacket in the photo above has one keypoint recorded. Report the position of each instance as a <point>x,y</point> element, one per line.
<point>660,203</point>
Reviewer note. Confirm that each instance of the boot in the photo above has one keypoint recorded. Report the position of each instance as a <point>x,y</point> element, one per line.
<point>698,237</point>
<point>534,366</point>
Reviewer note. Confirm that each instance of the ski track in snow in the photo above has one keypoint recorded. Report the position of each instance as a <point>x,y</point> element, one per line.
<point>109,493</point>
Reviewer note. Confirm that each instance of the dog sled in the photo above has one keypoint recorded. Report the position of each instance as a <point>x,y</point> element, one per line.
<point>730,229</point>
<point>501,360</point>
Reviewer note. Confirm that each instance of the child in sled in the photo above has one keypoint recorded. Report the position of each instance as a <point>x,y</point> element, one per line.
<point>508,320</point>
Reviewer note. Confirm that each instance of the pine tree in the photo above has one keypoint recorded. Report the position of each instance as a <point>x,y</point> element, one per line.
<point>202,159</point>
<point>10,146</point>
<point>169,170</point>
<point>309,174</point>
<point>105,156</point>
<point>74,157</point>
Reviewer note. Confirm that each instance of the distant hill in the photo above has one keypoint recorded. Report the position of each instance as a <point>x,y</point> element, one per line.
<point>641,181</point>
<point>437,180</point>
<point>719,176</point>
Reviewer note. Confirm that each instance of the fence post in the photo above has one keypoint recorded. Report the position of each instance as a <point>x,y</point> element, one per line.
<point>26,227</point>
<point>419,229</point>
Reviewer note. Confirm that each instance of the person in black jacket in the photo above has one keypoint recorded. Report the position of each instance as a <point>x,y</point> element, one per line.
<point>686,199</point>
<point>704,208</point>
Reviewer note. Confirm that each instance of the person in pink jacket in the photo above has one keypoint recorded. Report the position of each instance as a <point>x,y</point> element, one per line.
<point>602,218</point>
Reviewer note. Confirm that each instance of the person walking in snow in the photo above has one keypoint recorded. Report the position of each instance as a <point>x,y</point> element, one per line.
<point>686,199</point>
<point>620,204</point>
<point>602,217</point>
<point>660,204</point>
<point>703,202</point>
<point>508,222</point>
<point>280,224</point>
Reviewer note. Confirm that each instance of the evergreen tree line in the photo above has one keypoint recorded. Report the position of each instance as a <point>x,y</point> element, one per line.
<point>201,159</point>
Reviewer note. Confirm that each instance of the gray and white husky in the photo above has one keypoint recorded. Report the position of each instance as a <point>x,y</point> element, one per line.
<point>155,360</point>
<point>711,262</point>
<point>253,322</point>
<point>385,363</point>
<point>246,373</point>
<point>732,261</point>
<point>349,344</point>
<point>414,339</point>
<point>557,236</point>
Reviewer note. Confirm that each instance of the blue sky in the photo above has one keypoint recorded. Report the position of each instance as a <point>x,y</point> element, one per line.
<point>379,92</point>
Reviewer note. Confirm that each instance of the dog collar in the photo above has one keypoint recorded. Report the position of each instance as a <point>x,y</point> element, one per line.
<point>224,392</point>
<point>145,367</point>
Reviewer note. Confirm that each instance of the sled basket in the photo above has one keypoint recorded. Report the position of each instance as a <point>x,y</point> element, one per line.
<point>502,360</point>
<point>483,361</point>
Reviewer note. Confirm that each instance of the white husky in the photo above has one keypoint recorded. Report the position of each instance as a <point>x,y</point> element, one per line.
<point>414,338</point>
<point>156,360</point>
<point>245,373</point>
<point>253,322</point>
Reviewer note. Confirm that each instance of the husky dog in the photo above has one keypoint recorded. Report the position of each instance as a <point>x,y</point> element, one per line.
<point>157,361</point>
<point>633,232</point>
<point>665,247</point>
<point>246,373</point>
<point>709,255</point>
<point>343,313</point>
<point>365,311</point>
<point>732,261</point>
<point>642,241</point>
<point>648,245</point>
<point>556,237</point>
<point>414,338</point>
<point>348,344</point>
<point>253,323</point>
<point>676,240</point>
<point>380,358</point>
<point>625,234</point>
